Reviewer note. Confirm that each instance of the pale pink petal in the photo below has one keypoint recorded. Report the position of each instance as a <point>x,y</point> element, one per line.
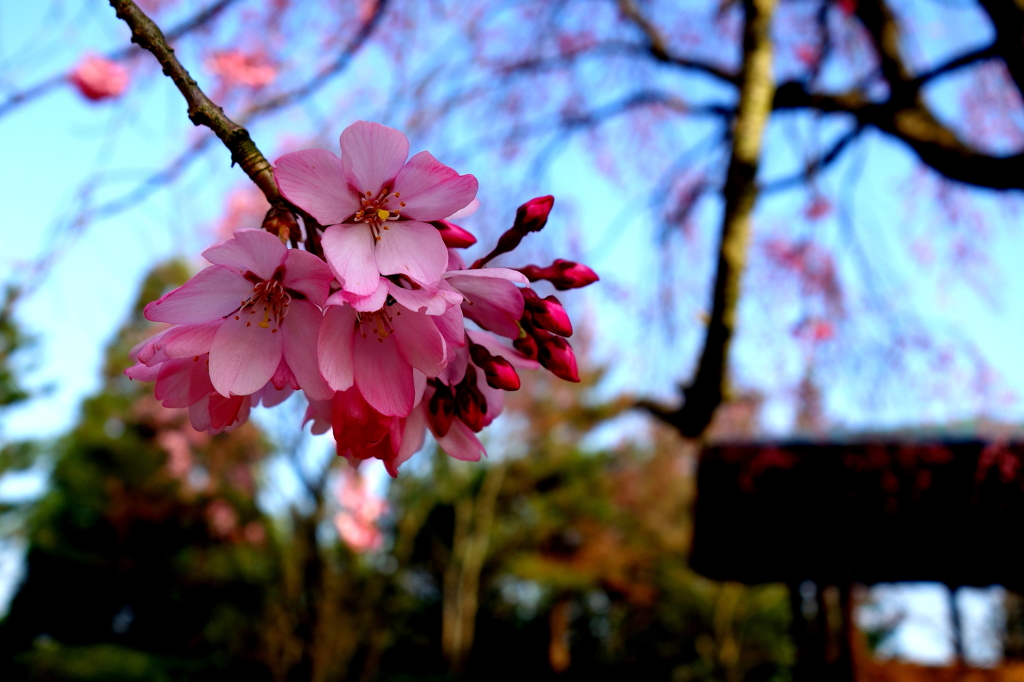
<point>414,249</point>
<point>414,434</point>
<point>313,180</point>
<point>350,253</point>
<point>146,349</point>
<point>172,383</point>
<point>494,304</point>
<point>199,414</point>
<point>141,372</point>
<point>496,273</point>
<point>334,347</point>
<point>372,155</point>
<point>270,396</point>
<point>228,412</point>
<point>199,383</point>
<point>301,331</point>
<point>189,340</point>
<point>365,304</point>
<point>452,328</point>
<point>455,261</point>
<point>319,412</point>
<point>253,251</point>
<point>307,274</point>
<point>458,360</point>
<point>419,341</point>
<point>383,378</point>
<point>283,378</point>
<point>496,347</point>
<point>244,356</point>
<point>427,300</point>
<point>419,382</point>
<point>432,190</point>
<point>212,294</point>
<point>461,443</point>
<point>469,210</point>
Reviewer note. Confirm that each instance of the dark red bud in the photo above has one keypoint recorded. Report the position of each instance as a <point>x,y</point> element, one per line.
<point>556,355</point>
<point>525,344</point>
<point>530,217</point>
<point>470,404</point>
<point>281,223</point>
<point>454,236</point>
<point>498,371</point>
<point>564,274</point>
<point>533,215</point>
<point>441,410</point>
<point>547,313</point>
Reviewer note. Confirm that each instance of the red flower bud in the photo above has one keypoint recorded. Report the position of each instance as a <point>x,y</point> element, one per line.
<point>556,355</point>
<point>498,371</point>
<point>530,217</point>
<point>281,223</point>
<point>564,274</point>
<point>525,344</point>
<point>98,78</point>
<point>441,410</point>
<point>470,403</point>
<point>547,313</point>
<point>454,236</point>
<point>533,215</point>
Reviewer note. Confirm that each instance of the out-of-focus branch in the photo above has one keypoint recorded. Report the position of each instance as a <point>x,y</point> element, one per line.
<point>201,110</point>
<point>757,89</point>
<point>199,19</point>
<point>815,166</point>
<point>658,48</point>
<point>1008,20</point>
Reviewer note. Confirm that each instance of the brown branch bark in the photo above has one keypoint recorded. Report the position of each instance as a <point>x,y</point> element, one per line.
<point>201,109</point>
<point>757,89</point>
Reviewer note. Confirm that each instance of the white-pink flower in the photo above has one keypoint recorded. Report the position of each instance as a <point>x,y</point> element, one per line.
<point>264,301</point>
<point>377,205</point>
<point>98,78</point>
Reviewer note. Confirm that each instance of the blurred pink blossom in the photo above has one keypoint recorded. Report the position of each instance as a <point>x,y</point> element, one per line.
<point>222,518</point>
<point>97,78</point>
<point>235,67</point>
<point>360,510</point>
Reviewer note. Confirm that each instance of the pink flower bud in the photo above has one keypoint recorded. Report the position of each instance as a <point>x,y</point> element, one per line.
<point>498,371</point>
<point>556,355</point>
<point>564,274</point>
<point>454,236</point>
<point>527,346</point>
<point>547,313</point>
<point>97,78</point>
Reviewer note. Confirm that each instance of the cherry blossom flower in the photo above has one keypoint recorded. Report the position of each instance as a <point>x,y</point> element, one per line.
<point>377,203</point>
<point>98,79</point>
<point>356,522</point>
<point>264,299</point>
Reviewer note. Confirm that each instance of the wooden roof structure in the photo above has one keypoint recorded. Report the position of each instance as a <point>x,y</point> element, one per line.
<point>865,511</point>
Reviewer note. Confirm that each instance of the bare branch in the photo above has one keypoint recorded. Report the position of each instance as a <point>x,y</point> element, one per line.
<point>201,110</point>
<point>815,166</point>
<point>199,19</point>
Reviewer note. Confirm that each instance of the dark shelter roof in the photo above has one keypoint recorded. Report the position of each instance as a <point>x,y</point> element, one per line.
<point>865,511</point>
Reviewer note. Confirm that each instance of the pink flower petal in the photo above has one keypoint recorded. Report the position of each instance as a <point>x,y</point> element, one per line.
<point>496,273</point>
<point>283,378</point>
<point>350,253</point>
<point>248,250</point>
<point>452,328</point>
<point>189,340</point>
<point>414,434</point>
<point>432,190</point>
<point>426,300</point>
<point>384,378</point>
<point>172,383</point>
<point>461,443</point>
<point>334,347</point>
<point>318,412</point>
<point>414,249</point>
<point>199,414</point>
<point>141,372</point>
<point>419,341</point>
<point>244,356</point>
<point>307,274</point>
<point>496,347</point>
<point>494,304</point>
<point>365,304</point>
<point>212,294</point>
<point>301,331</point>
<point>313,180</point>
<point>372,155</point>
<point>468,210</point>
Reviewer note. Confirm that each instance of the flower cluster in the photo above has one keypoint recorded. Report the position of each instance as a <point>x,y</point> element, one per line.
<point>374,332</point>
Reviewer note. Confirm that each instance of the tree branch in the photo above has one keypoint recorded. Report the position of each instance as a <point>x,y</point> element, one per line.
<point>757,88</point>
<point>30,93</point>
<point>201,110</point>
